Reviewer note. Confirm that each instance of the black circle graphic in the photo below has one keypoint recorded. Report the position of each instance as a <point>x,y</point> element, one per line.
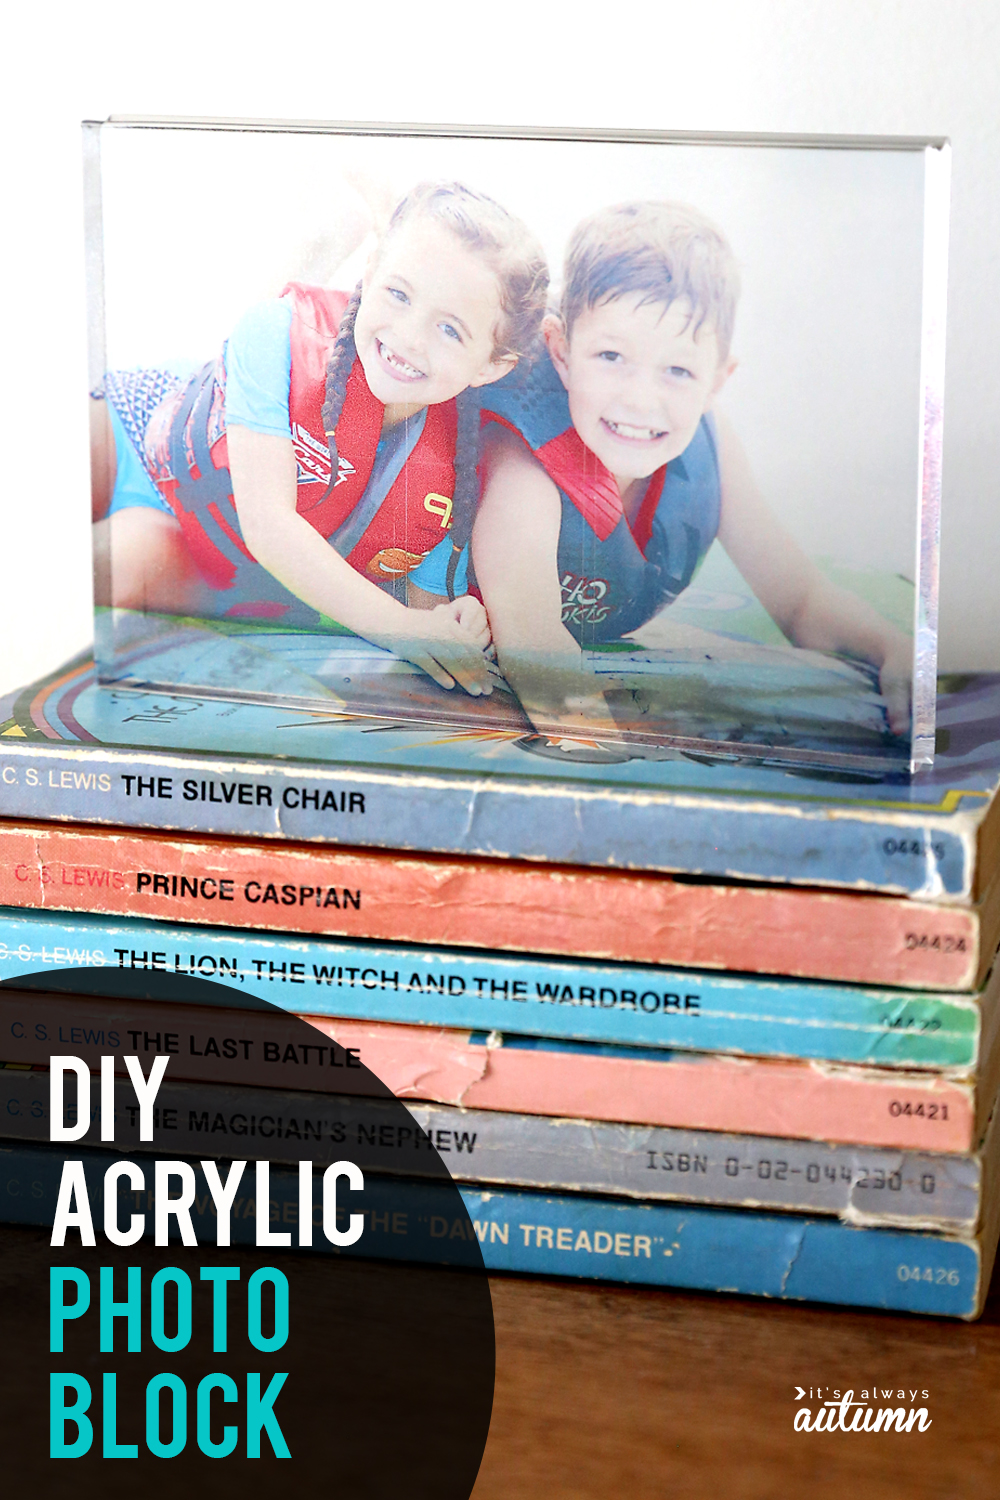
<point>341,1369</point>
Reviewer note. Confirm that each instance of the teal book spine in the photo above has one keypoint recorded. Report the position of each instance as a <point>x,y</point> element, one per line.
<point>621,1004</point>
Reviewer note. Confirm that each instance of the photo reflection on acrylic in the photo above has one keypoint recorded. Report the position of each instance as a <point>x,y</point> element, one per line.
<point>625,448</point>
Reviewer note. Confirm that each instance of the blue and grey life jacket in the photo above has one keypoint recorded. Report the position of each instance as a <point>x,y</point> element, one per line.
<point>614,576</point>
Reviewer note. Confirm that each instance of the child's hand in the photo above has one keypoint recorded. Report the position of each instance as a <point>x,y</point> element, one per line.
<point>470,614</point>
<point>896,686</point>
<point>448,643</point>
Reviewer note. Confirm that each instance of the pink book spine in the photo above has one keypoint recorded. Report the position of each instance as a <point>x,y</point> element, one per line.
<point>254,1047</point>
<point>493,903</point>
<point>698,1091</point>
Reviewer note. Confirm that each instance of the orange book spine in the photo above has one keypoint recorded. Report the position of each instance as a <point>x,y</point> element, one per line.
<point>468,902</point>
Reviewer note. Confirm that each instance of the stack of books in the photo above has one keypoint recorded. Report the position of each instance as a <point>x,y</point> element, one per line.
<point>670,1021</point>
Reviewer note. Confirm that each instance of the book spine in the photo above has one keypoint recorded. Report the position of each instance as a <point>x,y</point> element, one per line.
<point>783,1256</point>
<point>925,1112</point>
<point>254,1047</point>
<point>585,1080</point>
<point>891,850</point>
<point>705,1249</point>
<point>520,907</point>
<point>858,1185</point>
<point>649,1007</point>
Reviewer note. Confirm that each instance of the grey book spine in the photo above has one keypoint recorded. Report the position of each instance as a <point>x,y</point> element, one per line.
<point>861,1185</point>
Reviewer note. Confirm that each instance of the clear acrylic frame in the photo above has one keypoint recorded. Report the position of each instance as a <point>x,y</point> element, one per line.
<point>687,530</point>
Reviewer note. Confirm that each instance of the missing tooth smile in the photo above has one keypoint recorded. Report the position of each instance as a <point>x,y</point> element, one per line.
<point>397,367</point>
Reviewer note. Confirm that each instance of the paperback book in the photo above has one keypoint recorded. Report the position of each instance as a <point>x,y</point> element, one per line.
<point>861,1185</point>
<point>72,750</point>
<point>514,905</point>
<point>786,1256</point>
<point>703,1010</point>
<point>918,1111</point>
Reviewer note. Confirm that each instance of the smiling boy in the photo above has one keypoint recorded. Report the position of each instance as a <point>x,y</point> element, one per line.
<point>608,475</point>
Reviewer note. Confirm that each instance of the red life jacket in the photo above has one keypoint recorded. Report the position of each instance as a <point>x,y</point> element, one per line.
<point>187,452</point>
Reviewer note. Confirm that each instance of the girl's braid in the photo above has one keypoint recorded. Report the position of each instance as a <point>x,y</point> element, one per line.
<point>337,372</point>
<point>466,499</point>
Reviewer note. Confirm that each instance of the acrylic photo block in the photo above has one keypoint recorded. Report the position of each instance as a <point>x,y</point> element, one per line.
<point>623,445</point>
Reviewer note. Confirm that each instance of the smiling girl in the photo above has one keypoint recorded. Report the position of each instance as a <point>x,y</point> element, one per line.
<point>312,467</point>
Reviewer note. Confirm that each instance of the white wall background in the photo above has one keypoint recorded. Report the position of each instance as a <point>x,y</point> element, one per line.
<point>912,67</point>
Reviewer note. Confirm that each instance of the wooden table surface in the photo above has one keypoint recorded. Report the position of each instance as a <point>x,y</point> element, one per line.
<point>621,1393</point>
<point>609,1391</point>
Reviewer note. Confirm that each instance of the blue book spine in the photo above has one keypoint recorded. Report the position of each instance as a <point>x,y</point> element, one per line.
<point>727,1250</point>
<point>72,750</point>
<point>418,809</point>
<point>566,1001</point>
<point>776,1255</point>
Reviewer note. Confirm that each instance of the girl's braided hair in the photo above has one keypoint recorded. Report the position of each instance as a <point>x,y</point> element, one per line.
<point>518,263</point>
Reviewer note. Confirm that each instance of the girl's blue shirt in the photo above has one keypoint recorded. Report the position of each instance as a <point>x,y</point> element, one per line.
<point>258,359</point>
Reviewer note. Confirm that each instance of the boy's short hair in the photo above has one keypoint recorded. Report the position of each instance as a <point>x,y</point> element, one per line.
<point>664,250</point>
